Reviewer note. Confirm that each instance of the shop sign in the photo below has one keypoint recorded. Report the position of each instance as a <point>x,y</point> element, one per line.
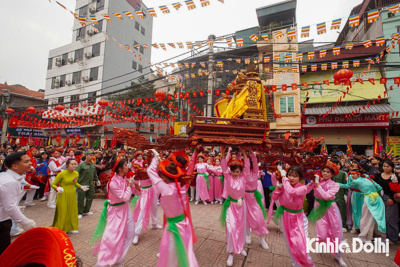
<point>340,121</point>
<point>395,144</point>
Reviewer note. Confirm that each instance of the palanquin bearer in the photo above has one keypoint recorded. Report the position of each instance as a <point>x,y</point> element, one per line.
<point>115,228</point>
<point>176,247</point>
<point>326,213</point>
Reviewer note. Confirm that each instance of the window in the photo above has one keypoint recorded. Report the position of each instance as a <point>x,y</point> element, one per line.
<point>140,68</point>
<point>141,49</point>
<point>134,65</point>
<point>99,5</point>
<point>83,11</point>
<point>390,15</point>
<point>53,82</point>
<point>60,100</point>
<point>94,74</point>
<point>62,80</point>
<point>78,55</point>
<point>80,33</point>
<point>98,26</point>
<point>64,59</point>
<point>76,77</point>
<point>50,63</point>
<point>74,98</point>
<point>92,98</point>
<point>137,25</point>
<point>96,50</point>
<point>143,31</point>
<point>135,45</point>
<point>286,104</point>
<point>398,28</point>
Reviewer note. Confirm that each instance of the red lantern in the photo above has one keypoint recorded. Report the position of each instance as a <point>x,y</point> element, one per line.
<point>89,135</point>
<point>103,103</point>
<point>59,107</point>
<point>9,111</point>
<point>160,94</point>
<point>71,135</point>
<point>343,76</point>
<point>31,110</point>
<point>52,136</point>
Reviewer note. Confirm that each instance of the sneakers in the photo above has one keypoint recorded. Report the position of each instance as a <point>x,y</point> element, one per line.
<point>191,199</point>
<point>156,226</point>
<point>205,203</point>
<point>79,216</point>
<point>197,202</point>
<point>43,199</point>
<point>244,253</point>
<point>20,231</point>
<point>263,243</point>
<point>73,232</point>
<point>88,213</point>
<point>158,254</point>
<point>344,230</point>
<point>221,202</point>
<point>340,261</point>
<point>229,262</point>
<point>51,206</point>
<point>212,202</point>
<point>353,231</point>
<point>135,240</point>
<point>30,204</point>
<point>248,239</point>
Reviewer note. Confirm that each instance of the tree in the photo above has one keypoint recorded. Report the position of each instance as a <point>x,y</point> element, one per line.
<point>143,89</point>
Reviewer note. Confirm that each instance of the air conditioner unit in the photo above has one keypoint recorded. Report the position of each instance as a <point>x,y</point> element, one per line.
<point>57,83</point>
<point>71,60</point>
<point>88,55</point>
<point>58,62</point>
<point>85,78</point>
<point>90,32</point>
<point>92,10</point>
<point>68,83</point>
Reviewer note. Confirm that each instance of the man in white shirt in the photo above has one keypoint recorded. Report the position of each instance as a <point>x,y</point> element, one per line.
<point>55,168</point>
<point>10,189</point>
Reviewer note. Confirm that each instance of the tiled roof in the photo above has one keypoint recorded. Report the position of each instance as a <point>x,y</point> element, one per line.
<point>379,108</point>
<point>20,91</point>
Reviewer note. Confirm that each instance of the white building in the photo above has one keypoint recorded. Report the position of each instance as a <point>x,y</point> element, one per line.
<point>91,65</point>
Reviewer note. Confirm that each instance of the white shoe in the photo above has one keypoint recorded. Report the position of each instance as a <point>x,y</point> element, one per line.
<point>363,239</point>
<point>51,206</point>
<point>263,243</point>
<point>30,204</point>
<point>344,230</point>
<point>229,262</point>
<point>79,216</point>
<point>43,199</point>
<point>244,253</point>
<point>73,232</point>
<point>340,261</point>
<point>158,202</point>
<point>88,213</point>
<point>248,239</point>
<point>221,202</point>
<point>354,231</point>
<point>156,226</point>
<point>158,254</point>
<point>135,240</point>
<point>212,202</point>
<point>191,199</point>
<point>205,203</point>
<point>197,202</point>
<point>20,231</point>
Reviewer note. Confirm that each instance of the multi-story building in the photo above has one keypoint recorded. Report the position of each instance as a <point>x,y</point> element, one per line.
<point>94,64</point>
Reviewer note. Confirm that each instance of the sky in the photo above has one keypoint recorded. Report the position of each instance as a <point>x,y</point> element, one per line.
<point>30,29</point>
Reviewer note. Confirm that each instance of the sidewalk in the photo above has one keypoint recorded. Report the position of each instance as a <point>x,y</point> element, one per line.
<point>210,248</point>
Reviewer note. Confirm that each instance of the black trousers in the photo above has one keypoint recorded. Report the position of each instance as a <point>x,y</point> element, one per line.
<point>5,238</point>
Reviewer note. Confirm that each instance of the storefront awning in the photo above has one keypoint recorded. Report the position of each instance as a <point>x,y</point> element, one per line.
<point>373,109</point>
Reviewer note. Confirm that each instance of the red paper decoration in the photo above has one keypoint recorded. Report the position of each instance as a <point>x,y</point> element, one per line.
<point>160,94</point>
<point>343,76</point>
<point>103,103</point>
<point>31,110</point>
<point>59,107</point>
<point>9,111</point>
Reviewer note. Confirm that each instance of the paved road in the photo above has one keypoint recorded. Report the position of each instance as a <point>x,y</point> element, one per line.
<point>210,249</point>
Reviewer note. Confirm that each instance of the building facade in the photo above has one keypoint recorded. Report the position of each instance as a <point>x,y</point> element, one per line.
<point>94,64</point>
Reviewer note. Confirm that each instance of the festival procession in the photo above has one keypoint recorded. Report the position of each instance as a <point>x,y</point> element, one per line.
<point>272,141</point>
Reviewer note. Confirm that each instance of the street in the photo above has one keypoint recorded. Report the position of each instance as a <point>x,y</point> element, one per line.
<point>210,248</point>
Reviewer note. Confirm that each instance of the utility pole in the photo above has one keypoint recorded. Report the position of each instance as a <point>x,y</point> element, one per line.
<point>6,103</point>
<point>210,76</point>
